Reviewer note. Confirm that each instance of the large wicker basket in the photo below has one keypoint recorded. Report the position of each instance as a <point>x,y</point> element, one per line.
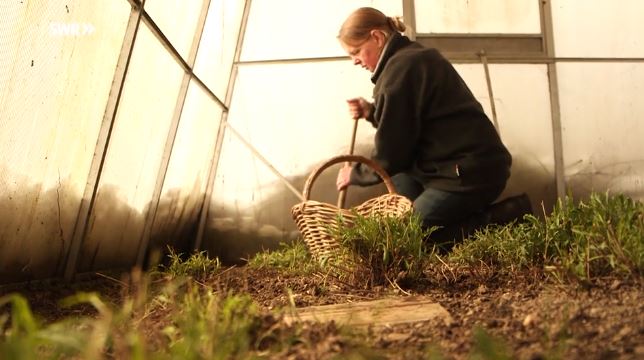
<point>317,220</point>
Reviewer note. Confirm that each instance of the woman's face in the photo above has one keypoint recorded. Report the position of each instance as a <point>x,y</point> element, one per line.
<point>367,53</point>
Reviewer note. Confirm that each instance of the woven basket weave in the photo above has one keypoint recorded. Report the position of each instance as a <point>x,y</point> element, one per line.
<point>317,220</point>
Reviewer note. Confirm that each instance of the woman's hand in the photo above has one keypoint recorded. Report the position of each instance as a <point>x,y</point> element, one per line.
<point>359,108</point>
<point>344,177</point>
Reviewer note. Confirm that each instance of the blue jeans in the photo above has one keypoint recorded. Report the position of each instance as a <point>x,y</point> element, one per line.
<point>458,214</point>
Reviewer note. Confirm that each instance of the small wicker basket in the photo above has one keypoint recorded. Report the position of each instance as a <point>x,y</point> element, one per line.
<point>317,220</point>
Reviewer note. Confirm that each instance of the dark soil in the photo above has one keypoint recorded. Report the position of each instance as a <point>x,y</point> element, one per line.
<point>530,316</point>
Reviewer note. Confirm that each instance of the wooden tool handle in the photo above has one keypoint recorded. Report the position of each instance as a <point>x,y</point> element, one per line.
<point>343,193</point>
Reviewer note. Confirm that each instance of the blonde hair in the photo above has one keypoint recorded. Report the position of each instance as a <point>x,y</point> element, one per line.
<point>358,25</point>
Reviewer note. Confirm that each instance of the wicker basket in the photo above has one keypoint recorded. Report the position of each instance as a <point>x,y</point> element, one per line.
<point>317,221</point>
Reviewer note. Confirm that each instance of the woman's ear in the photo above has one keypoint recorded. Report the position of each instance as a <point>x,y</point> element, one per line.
<point>380,36</point>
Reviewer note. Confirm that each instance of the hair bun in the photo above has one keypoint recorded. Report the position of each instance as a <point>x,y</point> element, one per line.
<point>396,23</point>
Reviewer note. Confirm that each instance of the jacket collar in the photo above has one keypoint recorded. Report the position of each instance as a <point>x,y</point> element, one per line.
<point>396,42</point>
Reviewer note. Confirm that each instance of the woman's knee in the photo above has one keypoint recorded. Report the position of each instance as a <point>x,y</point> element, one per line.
<point>407,186</point>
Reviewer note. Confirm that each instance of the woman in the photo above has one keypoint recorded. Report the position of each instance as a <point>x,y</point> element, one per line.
<point>433,137</point>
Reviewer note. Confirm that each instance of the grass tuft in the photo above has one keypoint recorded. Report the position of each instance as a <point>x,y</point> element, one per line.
<point>601,236</point>
<point>191,321</point>
<point>208,326</point>
<point>292,257</point>
<point>197,265</point>
<point>383,250</point>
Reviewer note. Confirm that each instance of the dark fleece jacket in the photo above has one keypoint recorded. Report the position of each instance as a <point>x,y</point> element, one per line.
<point>429,124</point>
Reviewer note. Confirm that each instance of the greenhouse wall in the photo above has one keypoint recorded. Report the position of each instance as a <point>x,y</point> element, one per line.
<point>127,126</point>
<point>111,111</point>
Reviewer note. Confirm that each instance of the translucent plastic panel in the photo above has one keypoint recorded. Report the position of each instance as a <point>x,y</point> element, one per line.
<point>218,42</point>
<point>311,32</point>
<point>177,19</point>
<point>134,155</point>
<point>294,115</point>
<point>601,112</point>
<point>522,101</point>
<point>187,174</point>
<point>56,71</point>
<point>249,208</point>
<point>600,28</point>
<point>478,16</point>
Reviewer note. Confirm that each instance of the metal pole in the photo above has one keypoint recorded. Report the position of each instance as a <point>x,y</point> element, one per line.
<point>103,142</point>
<point>489,90</point>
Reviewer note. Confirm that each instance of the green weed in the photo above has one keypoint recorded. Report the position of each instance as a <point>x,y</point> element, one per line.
<point>110,333</point>
<point>190,322</point>
<point>293,257</point>
<point>76,337</point>
<point>601,236</point>
<point>23,337</point>
<point>197,265</point>
<point>605,235</point>
<point>210,327</point>
<point>509,247</point>
<point>383,249</point>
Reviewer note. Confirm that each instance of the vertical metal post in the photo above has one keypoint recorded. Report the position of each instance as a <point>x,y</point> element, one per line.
<point>409,17</point>
<point>490,93</point>
<point>205,206</point>
<point>557,136</point>
<point>174,126</point>
<point>103,141</point>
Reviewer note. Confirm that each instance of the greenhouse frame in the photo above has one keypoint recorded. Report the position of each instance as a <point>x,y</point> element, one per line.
<point>128,126</point>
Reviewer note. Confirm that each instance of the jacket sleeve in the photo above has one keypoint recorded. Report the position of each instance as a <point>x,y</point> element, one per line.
<point>373,121</point>
<point>396,138</point>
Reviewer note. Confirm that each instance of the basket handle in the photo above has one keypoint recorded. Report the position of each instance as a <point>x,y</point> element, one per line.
<point>344,158</point>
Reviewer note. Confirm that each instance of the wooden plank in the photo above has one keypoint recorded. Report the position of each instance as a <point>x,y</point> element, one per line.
<point>384,312</point>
